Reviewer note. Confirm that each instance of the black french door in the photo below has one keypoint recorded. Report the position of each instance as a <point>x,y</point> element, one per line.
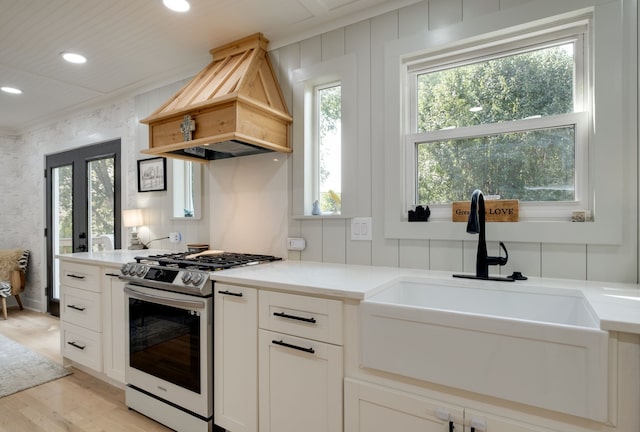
<point>83,206</point>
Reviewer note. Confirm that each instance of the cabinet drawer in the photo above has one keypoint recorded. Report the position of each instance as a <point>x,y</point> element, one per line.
<point>308,317</point>
<point>81,308</point>
<point>81,276</point>
<point>81,345</point>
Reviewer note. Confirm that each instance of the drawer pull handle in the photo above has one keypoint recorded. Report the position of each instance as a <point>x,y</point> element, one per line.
<point>76,345</point>
<point>112,274</point>
<point>296,347</point>
<point>227,292</point>
<point>293,317</point>
<point>71,275</point>
<point>78,308</point>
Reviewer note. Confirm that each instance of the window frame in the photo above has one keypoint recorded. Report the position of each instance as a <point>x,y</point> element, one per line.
<point>340,69</point>
<point>575,33</point>
<point>609,128</point>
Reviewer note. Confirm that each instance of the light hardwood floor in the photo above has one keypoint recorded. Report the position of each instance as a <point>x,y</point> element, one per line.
<point>76,403</point>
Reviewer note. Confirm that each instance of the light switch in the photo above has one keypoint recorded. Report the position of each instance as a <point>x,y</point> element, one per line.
<point>361,228</point>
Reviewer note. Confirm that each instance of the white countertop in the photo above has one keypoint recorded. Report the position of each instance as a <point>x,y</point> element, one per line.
<point>113,257</point>
<point>616,305</point>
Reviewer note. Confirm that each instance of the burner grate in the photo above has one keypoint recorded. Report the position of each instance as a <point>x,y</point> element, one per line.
<point>222,261</point>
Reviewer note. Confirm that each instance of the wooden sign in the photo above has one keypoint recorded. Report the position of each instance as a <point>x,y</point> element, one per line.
<point>496,210</point>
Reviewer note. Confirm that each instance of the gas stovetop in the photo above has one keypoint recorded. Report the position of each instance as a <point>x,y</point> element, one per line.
<point>185,272</point>
<point>206,262</point>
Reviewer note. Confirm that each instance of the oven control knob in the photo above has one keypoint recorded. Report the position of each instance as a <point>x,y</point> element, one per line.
<point>197,278</point>
<point>139,270</point>
<point>186,277</point>
<point>125,269</point>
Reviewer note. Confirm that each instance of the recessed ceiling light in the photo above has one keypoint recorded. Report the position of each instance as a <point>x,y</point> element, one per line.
<point>177,5</point>
<point>74,57</point>
<point>11,90</point>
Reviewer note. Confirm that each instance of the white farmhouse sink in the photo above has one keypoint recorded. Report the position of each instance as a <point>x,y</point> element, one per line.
<point>540,347</point>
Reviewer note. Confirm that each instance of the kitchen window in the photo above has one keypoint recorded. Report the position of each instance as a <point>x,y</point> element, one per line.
<point>324,137</point>
<point>508,117</point>
<point>602,120</point>
<point>327,147</point>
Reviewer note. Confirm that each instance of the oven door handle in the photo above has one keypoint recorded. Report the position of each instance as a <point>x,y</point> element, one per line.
<point>182,304</point>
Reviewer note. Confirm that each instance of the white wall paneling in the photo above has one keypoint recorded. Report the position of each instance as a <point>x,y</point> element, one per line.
<point>414,254</point>
<point>474,8</point>
<point>383,29</point>
<point>447,256</point>
<point>443,13</point>
<point>334,234</point>
<point>413,19</point>
<point>525,258</point>
<point>564,261</point>
<point>358,43</point>
<point>311,230</point>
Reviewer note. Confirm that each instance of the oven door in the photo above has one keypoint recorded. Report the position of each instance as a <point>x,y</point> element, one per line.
<point>169,347</point>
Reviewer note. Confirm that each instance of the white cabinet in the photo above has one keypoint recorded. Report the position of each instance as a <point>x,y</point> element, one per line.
<point>300,363</point>
<point>373,408</point>
<point>235,380</point>
<point>81,314</point>
<point>114,323</point>
<point>92,322</point>
<point>481,421</point>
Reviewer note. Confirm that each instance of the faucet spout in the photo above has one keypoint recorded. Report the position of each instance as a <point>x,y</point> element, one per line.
<point>476,225</point>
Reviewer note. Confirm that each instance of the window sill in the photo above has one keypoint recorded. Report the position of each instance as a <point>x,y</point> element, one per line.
<point>322,216</point>
<point>567,232</point>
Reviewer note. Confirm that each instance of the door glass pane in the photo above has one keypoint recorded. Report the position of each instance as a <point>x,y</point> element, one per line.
<point>101,210</point>
<point>62,211</point>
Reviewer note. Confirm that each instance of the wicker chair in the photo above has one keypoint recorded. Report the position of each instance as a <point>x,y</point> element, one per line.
<point>13,269</point>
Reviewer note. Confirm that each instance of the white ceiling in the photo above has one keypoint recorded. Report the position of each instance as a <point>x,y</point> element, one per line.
<point>134,45</point>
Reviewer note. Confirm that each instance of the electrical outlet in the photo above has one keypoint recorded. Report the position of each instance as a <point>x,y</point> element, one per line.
<point>175,237</point>
<point>296,244</point>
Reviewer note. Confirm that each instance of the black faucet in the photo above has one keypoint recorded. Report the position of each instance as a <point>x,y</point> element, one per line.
<point>476,225</point>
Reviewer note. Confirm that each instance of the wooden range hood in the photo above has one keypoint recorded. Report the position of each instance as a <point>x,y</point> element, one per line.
<point>234,107</point>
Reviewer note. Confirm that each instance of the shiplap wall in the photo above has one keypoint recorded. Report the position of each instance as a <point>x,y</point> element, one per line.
<point>329,240</point>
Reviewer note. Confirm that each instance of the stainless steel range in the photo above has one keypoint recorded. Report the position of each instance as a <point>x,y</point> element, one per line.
<point>169,345</point>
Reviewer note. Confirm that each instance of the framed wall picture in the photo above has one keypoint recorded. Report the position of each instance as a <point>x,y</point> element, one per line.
<point>152,174</point>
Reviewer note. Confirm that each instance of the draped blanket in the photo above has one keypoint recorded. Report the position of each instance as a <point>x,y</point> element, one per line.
<point>16,259</point>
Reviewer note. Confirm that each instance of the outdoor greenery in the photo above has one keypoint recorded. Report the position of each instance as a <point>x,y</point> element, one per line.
<point>329,131</point>
<point>102,188</point>
<point>102,207</point>
<point>536,165</point>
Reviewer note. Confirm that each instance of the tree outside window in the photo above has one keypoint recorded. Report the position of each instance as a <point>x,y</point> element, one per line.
<point>536,164</point>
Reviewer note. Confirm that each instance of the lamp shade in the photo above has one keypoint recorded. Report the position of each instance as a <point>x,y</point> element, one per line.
<point>132,218</point>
